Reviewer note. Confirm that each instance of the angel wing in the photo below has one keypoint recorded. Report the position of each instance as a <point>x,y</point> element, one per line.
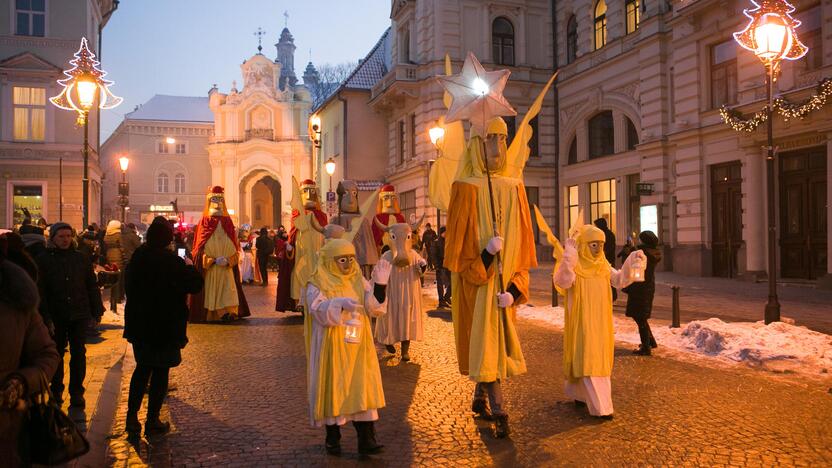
<point>364,209</point>
<point>518,151</point>
<point>452,147</point>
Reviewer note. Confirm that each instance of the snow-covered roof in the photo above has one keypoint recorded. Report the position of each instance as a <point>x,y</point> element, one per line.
<point>174,108</point>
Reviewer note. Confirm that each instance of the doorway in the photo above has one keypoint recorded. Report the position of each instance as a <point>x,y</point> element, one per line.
<point>265,203</point>
<point>726,217</point>
<point>803,223</point>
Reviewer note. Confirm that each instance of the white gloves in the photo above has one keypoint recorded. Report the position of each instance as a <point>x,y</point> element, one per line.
<point>570,254</point>
<point>495,245</point>
<point>289,247</point>
<point>221,261</point>
<point>504,300</point>
<point>422,263</point>
<point>349,304</point>
<point>381,272</point>
<point>635,265</point>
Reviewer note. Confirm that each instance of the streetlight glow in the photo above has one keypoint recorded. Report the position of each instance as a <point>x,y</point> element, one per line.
<point>315,123</point>
<point>329,165</point>
<point>772,37</point>
<point>87,89</point>
<point>436,133</point>
<point>123,162</point>
<point>480,86</point>
<point>170,140</point>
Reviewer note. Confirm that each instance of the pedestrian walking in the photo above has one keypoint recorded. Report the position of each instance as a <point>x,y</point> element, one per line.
<point>88,244</point>
<point>155,319</point>
<point>69,299</point>
<point>246,258</point>
<point>26,354</point>
<point>443,275</point>
<point>114,255</point>
<point>265,248</point>
<point>344,379</point>
<point>33,239</point>
<point>589,341</point>
<point>640,295</point>
<point>130,241</point>
<point>428,239</point>
<point>609,247</point>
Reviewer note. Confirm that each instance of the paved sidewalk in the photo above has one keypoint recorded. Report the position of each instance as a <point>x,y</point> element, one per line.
<point>728,299</point>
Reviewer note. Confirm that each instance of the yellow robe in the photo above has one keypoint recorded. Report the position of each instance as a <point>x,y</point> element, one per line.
<point>307,245</point>
<point>220,288</point>
<point>487,345</point>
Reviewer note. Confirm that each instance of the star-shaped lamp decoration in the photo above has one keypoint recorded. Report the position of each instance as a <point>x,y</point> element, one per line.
<point>476,94</point>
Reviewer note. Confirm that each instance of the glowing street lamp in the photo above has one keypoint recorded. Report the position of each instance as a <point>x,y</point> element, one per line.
<point>436,134</point>
<point>771,36</point>
<point>123,162</point>
<point>85,88</point>
<point>170,140</point>
<point>123,187</point>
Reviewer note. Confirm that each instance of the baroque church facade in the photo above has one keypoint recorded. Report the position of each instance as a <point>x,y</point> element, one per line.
<point>251,141</point>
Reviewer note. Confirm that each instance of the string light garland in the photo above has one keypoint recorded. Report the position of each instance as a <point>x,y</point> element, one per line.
<point>783,106</point>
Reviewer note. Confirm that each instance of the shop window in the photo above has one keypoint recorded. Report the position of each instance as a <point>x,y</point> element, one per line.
<point>600,24</point>
<point>28,197</point>
<point>602,201</point>
<point>29,113</point>
<point>502,41</point>
<point>601,135</point>
<point>724,74</point>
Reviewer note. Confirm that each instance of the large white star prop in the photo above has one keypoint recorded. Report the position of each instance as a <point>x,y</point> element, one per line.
<point>477,95</point>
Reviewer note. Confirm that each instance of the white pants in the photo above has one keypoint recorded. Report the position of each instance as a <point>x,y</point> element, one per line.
<point>596,392</point>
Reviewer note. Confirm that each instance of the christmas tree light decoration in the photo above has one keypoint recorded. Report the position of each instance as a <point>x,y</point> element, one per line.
<point>84,85</point>
<point>770,33</point>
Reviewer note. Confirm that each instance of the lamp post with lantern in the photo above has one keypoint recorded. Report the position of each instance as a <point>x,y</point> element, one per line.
<point>436,133</point>
<point>315,138</point>
<point>84,89</point>
<point>123,187</point>
<point>771,36</point>
<point>329,166</point>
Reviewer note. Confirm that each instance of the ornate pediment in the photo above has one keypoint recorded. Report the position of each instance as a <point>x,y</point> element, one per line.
<point>260,74</point>
<point>398,6</point>
<point>29,63</point>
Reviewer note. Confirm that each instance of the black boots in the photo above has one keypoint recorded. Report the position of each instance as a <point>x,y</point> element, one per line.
<point>367,444</point>
<point>643,351</point>
<point>333,439</point>
<point>405,349</point>
<point>155,426</point>
<point>501,430</point>
<point>480,407</point>
<point>132,425</point>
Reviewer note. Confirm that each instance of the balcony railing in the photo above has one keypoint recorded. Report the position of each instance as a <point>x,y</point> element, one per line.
<point>401,72</point>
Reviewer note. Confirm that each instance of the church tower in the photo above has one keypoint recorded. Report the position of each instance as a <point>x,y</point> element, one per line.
<point>286,56</point>
<point>310,76</point>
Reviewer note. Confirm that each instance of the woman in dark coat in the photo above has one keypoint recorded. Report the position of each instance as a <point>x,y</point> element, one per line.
<point>156,314</point>
<point>640,295</point>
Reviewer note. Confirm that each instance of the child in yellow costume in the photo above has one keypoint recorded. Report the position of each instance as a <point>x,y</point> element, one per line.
<point>487,346</point>
<point>589,340</point>
<point>344,380</point>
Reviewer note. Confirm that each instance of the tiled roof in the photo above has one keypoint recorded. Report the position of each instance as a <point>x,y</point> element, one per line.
<point>373,67</point>
<point>174,108</point>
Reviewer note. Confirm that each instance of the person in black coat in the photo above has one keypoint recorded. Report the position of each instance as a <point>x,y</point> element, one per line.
<point>69,300</point>
<point>640,295</point>
<point>609,246</point>
<point>265,248</point>
<point>157,283</point>
<point>443,275</point>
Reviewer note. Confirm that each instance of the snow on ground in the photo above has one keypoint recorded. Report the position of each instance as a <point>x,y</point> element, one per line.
<point>778,347</point>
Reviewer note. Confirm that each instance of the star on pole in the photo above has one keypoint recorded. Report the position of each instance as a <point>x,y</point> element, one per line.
<point>476,94</point>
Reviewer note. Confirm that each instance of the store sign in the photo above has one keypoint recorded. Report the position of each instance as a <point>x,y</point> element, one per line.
<point>164,208</point>
<point>645,188</point>
<point>649,218</point>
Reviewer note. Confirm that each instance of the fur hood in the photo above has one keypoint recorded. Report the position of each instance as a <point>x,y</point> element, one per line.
<point>17,290</point>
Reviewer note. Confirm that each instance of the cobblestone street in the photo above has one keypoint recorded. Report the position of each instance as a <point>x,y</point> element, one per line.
<point>239,399</point>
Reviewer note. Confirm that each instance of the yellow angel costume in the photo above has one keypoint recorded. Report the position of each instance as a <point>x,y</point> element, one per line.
<point>344,379</point>
<point>589,339</point>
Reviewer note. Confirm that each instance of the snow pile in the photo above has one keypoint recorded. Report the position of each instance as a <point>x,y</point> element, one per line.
<point>778,347</point>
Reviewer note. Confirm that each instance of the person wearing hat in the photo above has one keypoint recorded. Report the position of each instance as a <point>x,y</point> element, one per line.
<point>388,212</point>
<point>588,339</point>
<point>69,300</point>
<point>640,295</point>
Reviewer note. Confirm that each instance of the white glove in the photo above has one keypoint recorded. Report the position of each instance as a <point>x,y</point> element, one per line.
<point>572,244</point>
<point>289,247</point>
<point>504,300</point>
<point>381,272</point>
<point>422,263</point>
<point>570,253</point>
<point>495,245</point>
<point>349,304</point>
<point>221,261</point>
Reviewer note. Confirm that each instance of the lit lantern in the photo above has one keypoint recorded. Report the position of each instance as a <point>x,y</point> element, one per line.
<point>85,86</point>
<point>637,272</point>
<point>771,32</point>
<point>436,133</point>
<point>352,329</point>
<point>329,165</point>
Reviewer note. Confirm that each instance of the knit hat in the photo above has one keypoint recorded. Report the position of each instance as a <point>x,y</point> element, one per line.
<point>53,229</point>
<point>648,239</point>
<point>160,233</point>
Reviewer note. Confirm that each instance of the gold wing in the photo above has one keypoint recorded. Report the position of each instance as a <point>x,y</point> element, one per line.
<point>518,151</point>
<point>452,147</point>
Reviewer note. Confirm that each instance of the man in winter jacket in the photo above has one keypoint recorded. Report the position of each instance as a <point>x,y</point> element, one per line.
<point>609,246</point>
<point>69,299</point>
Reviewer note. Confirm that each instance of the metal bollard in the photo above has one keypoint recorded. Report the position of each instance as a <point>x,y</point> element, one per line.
<point>676,318</point>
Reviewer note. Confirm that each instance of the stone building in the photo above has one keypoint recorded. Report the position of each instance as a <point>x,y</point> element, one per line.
<point>640,89</point>
<point>40,146</point>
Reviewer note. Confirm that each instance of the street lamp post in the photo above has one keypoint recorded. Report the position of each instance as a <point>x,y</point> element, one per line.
<point>123,188</point>
<point>770,35</point>
<point>329,166</point>
<point>436,133</point>
<point>83,89</point>
<point>315,138</point>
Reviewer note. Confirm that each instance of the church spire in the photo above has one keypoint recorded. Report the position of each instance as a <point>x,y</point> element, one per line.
<point>286,55</point>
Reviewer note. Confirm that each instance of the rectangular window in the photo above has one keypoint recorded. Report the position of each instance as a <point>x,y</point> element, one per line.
<point>412,136</point>
<point>633,15</point>
<point>533,195</point>
<point>512,128</point>
<point>30,17</point>
<point>29,197</point>
<point>29,113</point>
<point>404,44</point>
<point>407,203</point>
<point>534,151</point>
<point>572,206</point>
<point>810,36</point>
<point>602,201</point>
<point>180,148</point>
<point>402,141</point>
<point>162,148</point>
<point>723,74</point>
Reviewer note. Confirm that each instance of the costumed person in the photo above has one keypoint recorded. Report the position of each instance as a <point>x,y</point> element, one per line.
<point>215,256</point>
<point>585,276</point>
<point>388,213</point>
<point>301,248</point>
<point>343,377</point>
<point>246,256</point>
<point>489,242</point>
<point>349,212</point>
<point>640,294</point>
<point>403,320</point>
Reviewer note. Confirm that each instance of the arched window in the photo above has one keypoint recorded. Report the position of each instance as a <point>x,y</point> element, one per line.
<point>502,41</point>
<point>573,151</point>
<point>632,135</point>
<point>571,39</point>
<point>600,24</point>
<point>633,8</point>
<point>601,135</point>
<point>162,183</point>
<point>179,183</point>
